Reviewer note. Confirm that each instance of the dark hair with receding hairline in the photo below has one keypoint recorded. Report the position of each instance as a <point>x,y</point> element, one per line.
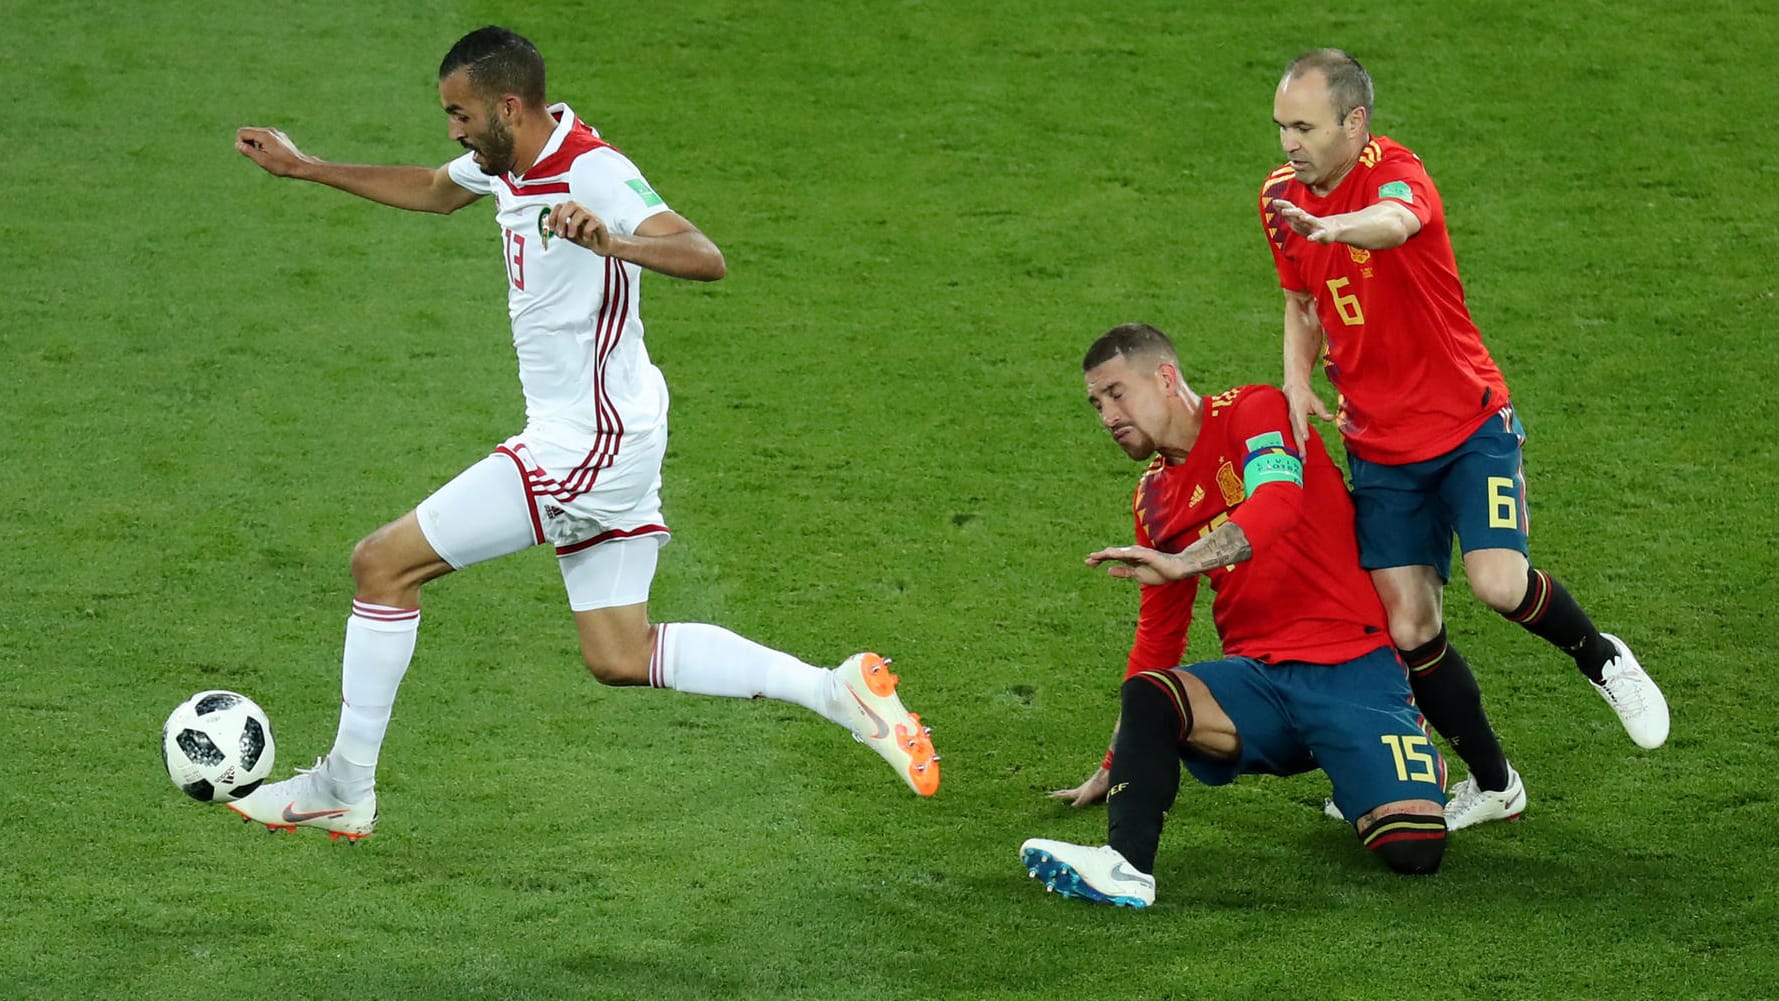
<point>1129,340</point>
<point>1348,83</point>
<point>500,61</point>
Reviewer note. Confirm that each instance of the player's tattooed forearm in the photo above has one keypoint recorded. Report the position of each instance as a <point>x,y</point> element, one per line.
<point>1226,546</point>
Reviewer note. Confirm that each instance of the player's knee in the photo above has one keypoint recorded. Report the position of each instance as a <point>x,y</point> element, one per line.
<point>1501,590</point>
<point>1413,630</point>
<point>1156,699</point>
<point>1409,843</point>
<point>1414,858</point>
<point>370,565</point>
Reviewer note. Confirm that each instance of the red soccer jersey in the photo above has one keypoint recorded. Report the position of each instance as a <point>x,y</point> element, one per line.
<point>1410,366</point>
<point>1301,596</point>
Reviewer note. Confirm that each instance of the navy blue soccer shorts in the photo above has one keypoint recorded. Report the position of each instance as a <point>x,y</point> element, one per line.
<point>1355,720</point>
<point>1406,515</point>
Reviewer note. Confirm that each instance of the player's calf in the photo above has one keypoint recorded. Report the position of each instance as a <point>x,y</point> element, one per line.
<point>618,645</point>
<point>1155,722</point>
<point>1409,843</point>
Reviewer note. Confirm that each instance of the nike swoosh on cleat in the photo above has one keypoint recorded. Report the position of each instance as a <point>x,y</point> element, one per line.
<point>1123,871</point>
<point>882,727</point>
<point>293,817</point>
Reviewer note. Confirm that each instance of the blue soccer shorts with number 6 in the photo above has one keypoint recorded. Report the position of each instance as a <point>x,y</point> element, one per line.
<point>1406,515</point>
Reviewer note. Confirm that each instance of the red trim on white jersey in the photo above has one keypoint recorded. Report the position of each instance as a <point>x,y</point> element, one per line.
<point>609,424</point>
<point>616,533</point>
<point>549,176</point>
<point>542,188</point>
<point>527,477</point>
<point>580,139</point>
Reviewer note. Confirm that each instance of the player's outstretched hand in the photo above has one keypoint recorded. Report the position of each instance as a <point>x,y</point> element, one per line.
<point>580,225</point>
<point>1301,402</point>
<point>271,149</point>
<point>1089,792</point>
<point>1145,566</point>
<point>1308,226</point>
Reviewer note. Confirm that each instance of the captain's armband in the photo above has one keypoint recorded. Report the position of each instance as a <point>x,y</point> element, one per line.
<point>1270,460</point>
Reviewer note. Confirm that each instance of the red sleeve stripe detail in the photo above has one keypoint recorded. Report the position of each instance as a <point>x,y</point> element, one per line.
<point>623,533</point>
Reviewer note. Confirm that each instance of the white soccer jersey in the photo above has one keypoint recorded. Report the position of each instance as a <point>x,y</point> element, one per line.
<point>576,322</point>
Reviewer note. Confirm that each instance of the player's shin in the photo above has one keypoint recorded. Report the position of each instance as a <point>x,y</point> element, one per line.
<point>379,646</point>
<point>1447,694</point>
<point>704,659</point>
<point>1146,764</point>
<point>1551,614</point>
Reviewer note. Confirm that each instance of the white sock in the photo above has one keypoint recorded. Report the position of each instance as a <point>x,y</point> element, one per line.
<point>379,645</point>
<point>710,660</point>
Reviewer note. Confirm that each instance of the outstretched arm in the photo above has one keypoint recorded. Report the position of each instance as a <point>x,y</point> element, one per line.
<point>1379,226</point>
<point>418,189</point>
<point>1226,545</point>
<point>666,242</point>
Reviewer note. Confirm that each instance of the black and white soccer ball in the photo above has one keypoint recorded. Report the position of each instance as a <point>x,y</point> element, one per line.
<point>217,746</point>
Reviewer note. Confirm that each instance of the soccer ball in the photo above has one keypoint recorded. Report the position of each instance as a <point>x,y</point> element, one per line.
<point>217,746</point>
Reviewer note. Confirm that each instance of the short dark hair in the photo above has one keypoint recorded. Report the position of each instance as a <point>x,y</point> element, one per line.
<point>1128,340</point>
<point>1348,83</point>
<point>500,61</point>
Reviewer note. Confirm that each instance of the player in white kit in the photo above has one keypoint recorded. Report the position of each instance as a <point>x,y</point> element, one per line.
<point>578,223</point>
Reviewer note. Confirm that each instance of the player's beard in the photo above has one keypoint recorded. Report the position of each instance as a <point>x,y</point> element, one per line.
<point>495,147</point>
<point>1137,445</point>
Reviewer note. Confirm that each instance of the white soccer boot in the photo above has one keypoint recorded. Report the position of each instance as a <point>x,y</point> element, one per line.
<point>1470,804</point>
<point>308,800</point>
<point>1332,811</point>
<point>1101,874</point>
<point>1636,699</point>
<point>869,705</point>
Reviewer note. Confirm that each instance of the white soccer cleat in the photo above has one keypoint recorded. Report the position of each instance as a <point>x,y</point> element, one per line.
<point>1470,804</point>
<point>1630,692</point>
<point>1101,874</point>
<point>876,716</point>
<point>308,800</point>
<point>1332,811</point>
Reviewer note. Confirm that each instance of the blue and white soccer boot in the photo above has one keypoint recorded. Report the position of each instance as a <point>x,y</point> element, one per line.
<point>308,800</point>
<point>1634,697</point>
<point>1101,874</point>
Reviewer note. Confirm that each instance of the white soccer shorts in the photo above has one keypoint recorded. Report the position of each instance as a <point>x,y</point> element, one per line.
<point>597,501</point>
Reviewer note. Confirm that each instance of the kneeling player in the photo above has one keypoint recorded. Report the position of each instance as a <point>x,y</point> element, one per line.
<point>1310,677</point>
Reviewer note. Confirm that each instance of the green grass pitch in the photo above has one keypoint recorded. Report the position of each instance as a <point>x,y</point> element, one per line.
<point>212,383</point>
